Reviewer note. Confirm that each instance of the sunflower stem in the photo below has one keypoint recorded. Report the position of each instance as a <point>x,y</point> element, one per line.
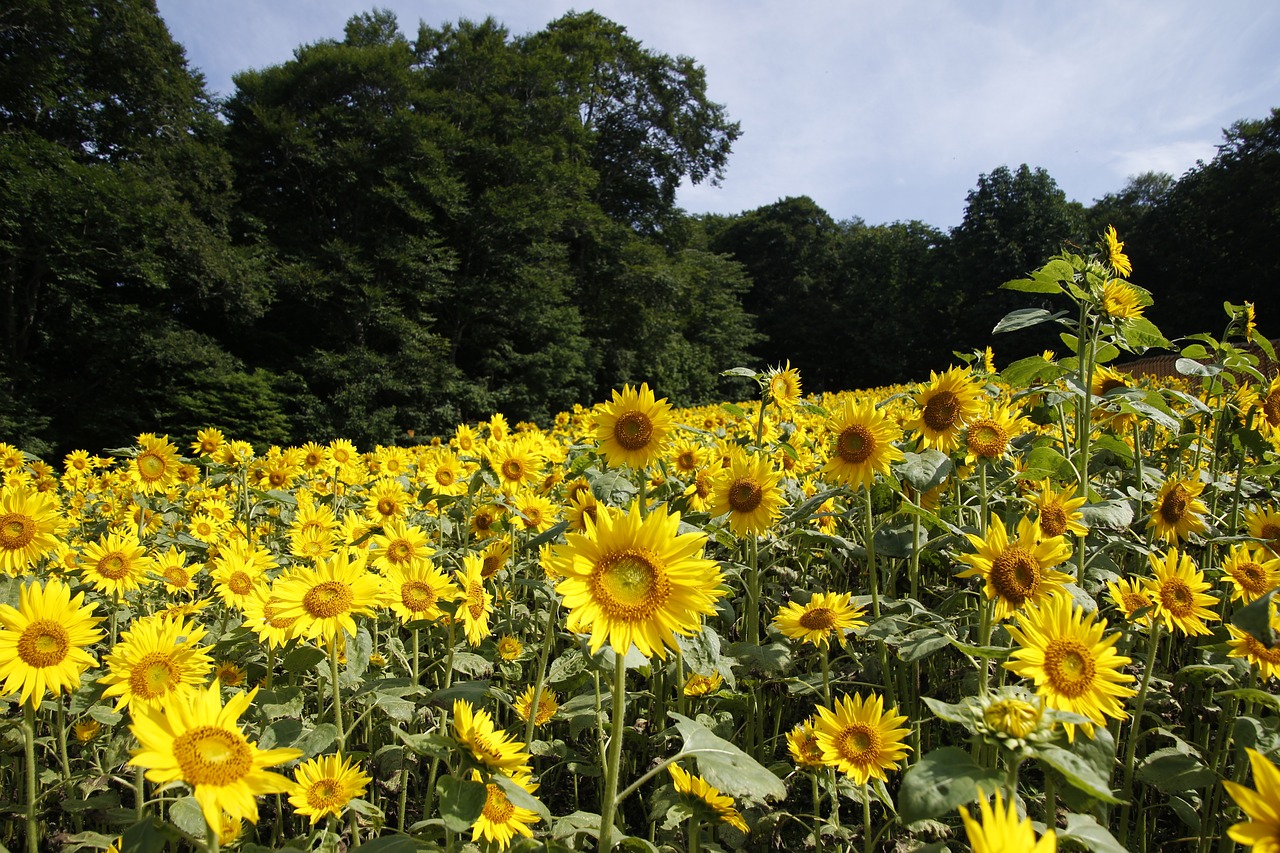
<point>753,591</point>
<point>826,674</point>
<point>695,834</point>
<point>866,818</point>
<point>1135,732</point>
<point>29,747</point>
<point>548,639</point>
<point>337,690</point>
<point>613,765</point>
<point>817,813</point>
<point>1050,800</point>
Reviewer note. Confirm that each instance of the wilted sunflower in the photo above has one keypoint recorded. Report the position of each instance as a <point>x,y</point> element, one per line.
<point>43,641</point>
<point>501,820</point>
<point>1002,831</point>
<point>1058,513</point>
<point>547,705</point>
<point>707,797</point>
<point>636,581</point>
<point>860,738</point>
<point>30,524</point>
<point>1178,511</point>
<point>198,741</point>
<point>1252,572</point>
<point>325,600</point>
<point>326,785</point>
<point>748,493</point>
<point>475,602</point>
<point>153,659</point>
<point>1016,571</point>
<point>947,404</point>
<point>114,564</point>
<point>1260,804</point>
<point>862,439</point>
<point>633,428</point>
<point>475,732</point>
<point>1178,593</point>
<point>1114,248</point>
<point>1074,668</point>
<point>824,615</point>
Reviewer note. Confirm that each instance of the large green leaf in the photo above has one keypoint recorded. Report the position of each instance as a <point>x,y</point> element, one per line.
<point>941,781</point>
<point>924,470</point>
<point>725,766</point>
<point>1173,771</point>
<point>461,802</point>
<point>1079,772</point>
<point>1084,830</point>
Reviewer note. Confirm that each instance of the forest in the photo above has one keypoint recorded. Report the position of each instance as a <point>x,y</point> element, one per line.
<point>395,232</point>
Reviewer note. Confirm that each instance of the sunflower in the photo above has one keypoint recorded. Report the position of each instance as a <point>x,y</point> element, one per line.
<point>476,602</point>
<point>1245,645</point>
<point>498,427</point>
<point>748,493</point>
<point>325,786</point>
<point>229,673</point>
<point>947,404</point>
<point>1177,593</point>
<point>86,730</point>
<point>30,524</point>
<point>398,545</point>
<point>444,474</point>
<point>207,441</point>
<point>518,463</point>
<point>42,642</point>
<point>262,617</point>
<point>155,467</point>
<point>1016,571</point>
<point>1114,248</point>
<point>1002,831</point>
<point>826,613</point>
<point>1252,571</point>
<point>326,599</point>
<point>415,591</point>
<point>153,660</point>
<point>509,648</point>
<point>700,490</point>
<point>1132,597</point>
<point>547,705</point>
<point>802,743</point>
<point>1120,301</point>
<point>582,506</point>
<point>782,386</point>
<point>862,439</point>
<point>485,520</point>
<point>1075,669</point>
<point>239,570</point>
<point>636,581</point>
<point>495,557</point>
<point>1058,513</point>
<point>197,741</point>
<point>706,797</point>
<point>386,501</point>
<point>475,732</point>
<point>114,564</point>
<point>501,820</point>
<point>1178,511</point>
<point>687,456</point>
<point>701,685</point>
<point>633,428</point>
<point>1263,524</point>
<point>1261,805</point>
<point>860,738</point>
<point>536,513</point>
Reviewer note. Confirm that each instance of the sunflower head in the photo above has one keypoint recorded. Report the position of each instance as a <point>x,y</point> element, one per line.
<point>632,429</point>
<point>1001,829</point>
<point>1113,248</point>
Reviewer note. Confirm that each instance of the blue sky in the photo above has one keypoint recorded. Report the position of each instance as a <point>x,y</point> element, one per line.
<point>882,110</point>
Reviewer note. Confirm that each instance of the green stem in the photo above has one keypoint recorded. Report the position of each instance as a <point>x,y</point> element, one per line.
<point>613,765</point>
<point>826,674</point>
<point>695,834</point>
<point>211,840</point>
<point>817,813</point>
<point>753,591</point>
<point>29,746</point>
<point>1050,800</point>
<point>337,690</point>
<point>1135,733</point>
<point>866,818</point>
<point>548,639</point>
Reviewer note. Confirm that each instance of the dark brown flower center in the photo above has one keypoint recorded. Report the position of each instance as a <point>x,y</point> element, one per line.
<point>942,411</point>
<point>633,430</point>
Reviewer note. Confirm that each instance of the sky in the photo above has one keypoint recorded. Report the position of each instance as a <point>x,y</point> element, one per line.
<point>884,111</point>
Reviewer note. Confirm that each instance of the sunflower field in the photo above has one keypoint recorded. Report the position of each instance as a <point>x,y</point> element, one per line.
<point>1010,609</point>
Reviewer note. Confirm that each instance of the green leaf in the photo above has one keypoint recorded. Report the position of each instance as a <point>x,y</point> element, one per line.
<point>185,814</point>
<point>1255,620</point>
<point>1190,367</point>
<point>924,470</point>
<point>725,766</point>
<point>390,844</point>
<point>1033,285</point>
<point>741,371</point>
<point>1084,830</point>
<point>921,643</point>
<point>942,780</point>
<point>432,744</point>
<point>1024,318</point>
<point>1142,334</point>
<point>302,659</point>
<point>1024,370</point>
<point>1078,772</point>
<point>318,740</point>
<point>1115,515</point>
<point>1173,771</point>
<point>461,802</point>
<point>1045,461</point>
<point>951,713</point>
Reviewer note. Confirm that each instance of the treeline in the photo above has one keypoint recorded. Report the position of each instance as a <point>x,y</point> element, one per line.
<point>391,233</point>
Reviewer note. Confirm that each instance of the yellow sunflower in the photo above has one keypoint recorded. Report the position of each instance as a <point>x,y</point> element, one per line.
<point>326,599</point>
<point>547,705</point>
<point>1178,593</point>
<point>30,524</point>
<point>700,490</point>
<point>239,569</point>
<point>686,457</point>
<point>782,386</point>
<point>153,659</point>
<point>485,521</point>
<point>1263,524</point>
<point>494,557</point>
<point>1075,669</point>
<point>398,545</point>
<point>1252,572</point>
<point>947,404</point>
<point>1016,571</point>
<point>444,474</point>
<point>1178,511</point>
<point>415,591</point>
<point>748,493</point>
<point>1058,513</point>
<point>702,685</point>
<point>518,463</point>
<point>825,614</point>
<point>325,785</point>
<point>706,797</point>
<point>475,732</point>
<point>198,741</point>
<point>501,820</point>
<point>802,743</point>
<point>1114,248</point>
<point>860,738</point>
<point>582,506</point>
<point>261,616</point>
<point>1244,645</point>
<point>1132,597</point>
<point>1261,805</point>
<point>1120,301</point>
<point>386,500</point>
<point>43,641</point>
<point>862,439</point>
<point>636,581</point>
<point>207,441</point>
<point>155,467</point>
<point>509,648</point>
<point>475,602</point>
<point>536,513</point>
<point>632,429</point>
<point>1002,831</point>
<point>987,434</point>
<point>114,564</point>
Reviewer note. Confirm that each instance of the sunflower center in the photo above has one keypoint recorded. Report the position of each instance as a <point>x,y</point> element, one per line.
<point>1110,385</point>
<point>311,529</point>
<point>444,476</point>
<point>324,794</point>
<point>1053,520</point>
<point>209,755</point>
<point>630,584</point>
<point>633,430</point>
<point>153,676</point>
<point>1176,597</point>
<point>855,444</point>
<point>1271,408</point>
<point>1069,666</point>
<point>942,411</point>
<point>1015,574</point>
<point>475,600</point>
<point>16,530</point>
<point>1174,506</point>
<point>399,551</point>
<point>482,521</point>
<point>490,565</point>
<point>818,619</point>
<point>513,469</point>
<point>113,566</point>
<point>1251,577</point>
<point>686,461</point>
<point>745,494</point>
<point>313,459</point>
<point>387,506</point>
<point>151,466</point>
<point>1270,531</point>
<point>1133,602</point>
<point>497,808</point>
<point>987,439</point>
<point>240,583</point>
<point>43,643</point>
<point>859,743</point>
<point>327,599</point>
<point>177,576</point>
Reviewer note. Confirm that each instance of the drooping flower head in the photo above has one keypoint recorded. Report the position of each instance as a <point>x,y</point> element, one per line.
<point>706,797</point>
<point>475,732</point>
<point>633,428</point>
<point>43,641</point>
<point>1114,248</point>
